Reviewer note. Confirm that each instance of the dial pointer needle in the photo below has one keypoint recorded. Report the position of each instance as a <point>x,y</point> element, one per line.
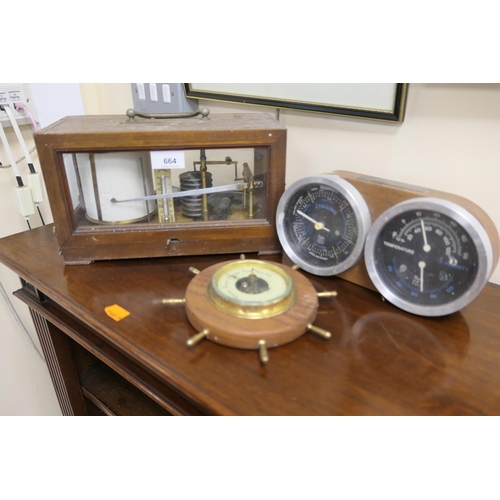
<point>317,225</point>
<point>427,247</point>
<point>421,264</point>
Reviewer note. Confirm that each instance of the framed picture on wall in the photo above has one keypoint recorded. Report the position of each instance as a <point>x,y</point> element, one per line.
<point>370,101</point>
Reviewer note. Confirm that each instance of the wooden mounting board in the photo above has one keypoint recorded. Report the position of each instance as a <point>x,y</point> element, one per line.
<point>382,194</point>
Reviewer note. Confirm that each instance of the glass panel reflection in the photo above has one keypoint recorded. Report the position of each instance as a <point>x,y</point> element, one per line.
<point>167,187</point>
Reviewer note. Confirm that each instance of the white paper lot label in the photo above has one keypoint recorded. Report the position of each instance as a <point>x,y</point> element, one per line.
<point>167,159</point>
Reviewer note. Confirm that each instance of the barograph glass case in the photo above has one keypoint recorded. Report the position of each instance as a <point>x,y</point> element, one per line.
<point>123,187</point>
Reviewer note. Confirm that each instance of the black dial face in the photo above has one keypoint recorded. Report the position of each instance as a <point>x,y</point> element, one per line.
<point>320,225</point>
<point>425,257</point>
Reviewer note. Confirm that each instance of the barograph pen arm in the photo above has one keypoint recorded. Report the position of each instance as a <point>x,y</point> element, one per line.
<point>193,192</point>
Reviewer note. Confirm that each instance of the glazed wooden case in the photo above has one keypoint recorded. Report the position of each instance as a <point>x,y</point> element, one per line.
<point>116,185</point>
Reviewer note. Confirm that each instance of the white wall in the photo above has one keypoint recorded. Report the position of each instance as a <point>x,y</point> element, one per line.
<point>450,140</point>
<point>25,385</point>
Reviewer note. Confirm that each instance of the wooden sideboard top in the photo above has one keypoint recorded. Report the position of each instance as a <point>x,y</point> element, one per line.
<point>379,361</point>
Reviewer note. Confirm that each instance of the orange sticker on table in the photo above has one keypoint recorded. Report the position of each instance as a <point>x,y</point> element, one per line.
<point>116,312</point>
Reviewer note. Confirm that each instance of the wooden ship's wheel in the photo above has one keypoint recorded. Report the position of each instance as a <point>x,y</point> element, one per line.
<point>251,304</point>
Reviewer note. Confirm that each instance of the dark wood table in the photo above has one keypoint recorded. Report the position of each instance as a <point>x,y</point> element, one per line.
<point>379,361</point>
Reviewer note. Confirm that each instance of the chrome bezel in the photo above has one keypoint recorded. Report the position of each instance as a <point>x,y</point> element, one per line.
<point>462,217</point>
<point>361,212</point>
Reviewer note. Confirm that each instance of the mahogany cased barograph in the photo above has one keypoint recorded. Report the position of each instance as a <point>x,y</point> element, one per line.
<point>122,187</point>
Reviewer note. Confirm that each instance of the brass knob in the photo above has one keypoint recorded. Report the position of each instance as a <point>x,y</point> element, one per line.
<point>263,354</point>
<point>197,338</point>
<point>173,301</point>
<point>319,331</point>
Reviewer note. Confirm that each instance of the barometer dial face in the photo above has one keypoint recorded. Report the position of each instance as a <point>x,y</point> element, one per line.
<point>322,222</point>
<point>428,256</point>
<point>251,289</point>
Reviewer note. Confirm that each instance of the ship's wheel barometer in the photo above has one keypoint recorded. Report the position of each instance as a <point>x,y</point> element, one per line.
<point>251,304</point>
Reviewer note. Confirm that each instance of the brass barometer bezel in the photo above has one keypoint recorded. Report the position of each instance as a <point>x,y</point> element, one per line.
<point>252,307</point>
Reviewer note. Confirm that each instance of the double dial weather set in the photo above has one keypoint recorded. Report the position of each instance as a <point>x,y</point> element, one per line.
<point>427,252</point>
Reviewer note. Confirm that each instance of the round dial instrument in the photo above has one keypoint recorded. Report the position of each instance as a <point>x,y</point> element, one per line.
<point>428,256</point>
<point>251,289</point>
<point>243,303</point>
<point>322,222</point>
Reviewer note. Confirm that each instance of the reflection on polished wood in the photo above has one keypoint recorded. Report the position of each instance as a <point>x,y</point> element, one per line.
<point>379,361</point>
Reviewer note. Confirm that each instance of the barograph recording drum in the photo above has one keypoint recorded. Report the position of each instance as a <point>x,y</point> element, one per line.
<point>104,176</point>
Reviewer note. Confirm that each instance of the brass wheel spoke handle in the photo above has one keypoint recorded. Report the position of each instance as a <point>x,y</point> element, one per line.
<point>263,354</point>
<point>132,113</point>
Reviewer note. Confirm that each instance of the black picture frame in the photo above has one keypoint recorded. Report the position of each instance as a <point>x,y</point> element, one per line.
<point>393,115</point>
